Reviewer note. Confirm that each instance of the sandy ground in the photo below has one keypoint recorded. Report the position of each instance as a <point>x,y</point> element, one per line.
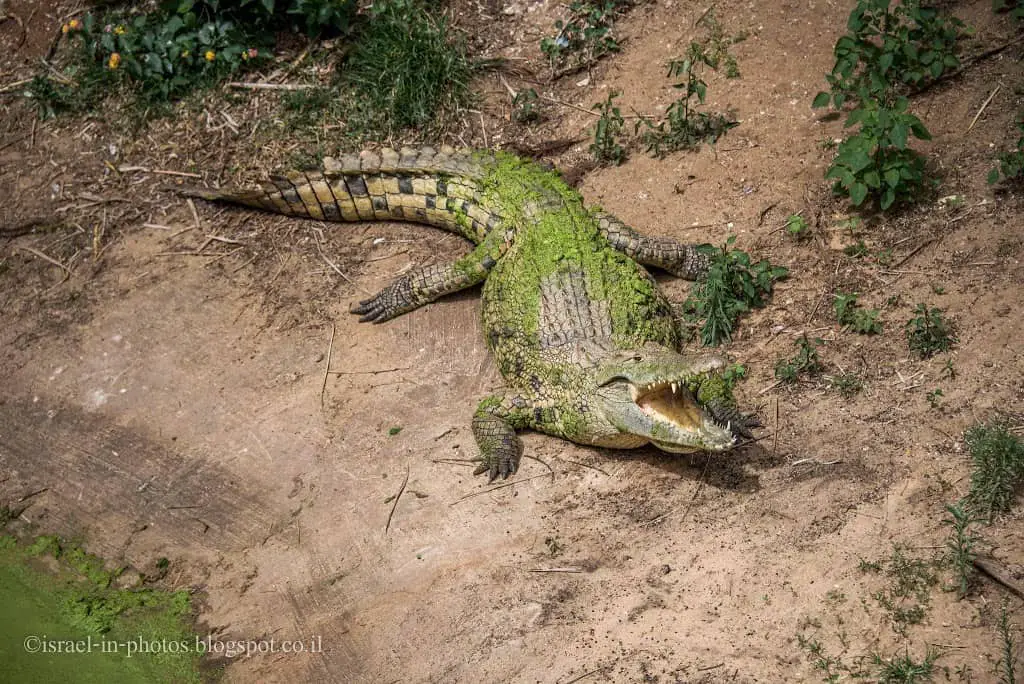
<point>175,406</point>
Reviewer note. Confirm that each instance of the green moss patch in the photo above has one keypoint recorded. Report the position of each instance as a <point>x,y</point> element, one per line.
<point>64,620</point>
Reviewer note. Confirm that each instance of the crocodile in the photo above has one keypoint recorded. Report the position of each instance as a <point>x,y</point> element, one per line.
<point>586,342</point>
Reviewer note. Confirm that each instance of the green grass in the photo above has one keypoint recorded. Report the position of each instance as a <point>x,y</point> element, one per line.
<point>75,606</point>
<point>806,362</point>
<point>960,547</point>
<point>406,68</point>
<point>903,669</point>
<point>998,468</point>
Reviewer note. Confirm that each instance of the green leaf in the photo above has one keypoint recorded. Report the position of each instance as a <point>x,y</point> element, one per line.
<point>892,177</point>
<point>919,131</point>
<point>858,192</point>
<point>821,100</point>
<point>898,136</point>
<point>888,197</point>
<point>936,68</point>
<point>993,176</point>
<point>872,180</point>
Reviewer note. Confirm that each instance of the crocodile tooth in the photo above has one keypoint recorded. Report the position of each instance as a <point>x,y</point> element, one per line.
<point>675,389</point>
<point>728,426</point>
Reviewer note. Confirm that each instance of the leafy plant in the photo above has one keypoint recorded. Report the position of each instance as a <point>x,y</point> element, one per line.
<point>933,398</point>
<point>797,228</point>
<point>1011,164</point>
<point>888,48</point>
<point>586,35</point>
<point>848,384</point>
<point>998,468</point>
<point>928,332</point>
<point>857,250</point>
<point>961,546</point>
<point>876,161</point>
<point>733,373</point>
<point>1014,7</point>
<point>684,127</point>
<point>732,286</point>
<point>524,107</point>
<point>848,313</point>
<point>718,44</point>
<point>805,362</point>
<point>606,148</point>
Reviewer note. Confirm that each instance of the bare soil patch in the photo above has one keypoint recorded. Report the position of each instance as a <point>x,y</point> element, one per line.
<point>169,399</point>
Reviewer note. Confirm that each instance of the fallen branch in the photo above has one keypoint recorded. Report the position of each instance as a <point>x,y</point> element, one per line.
<point>397,497</point>
<point>998,574</point>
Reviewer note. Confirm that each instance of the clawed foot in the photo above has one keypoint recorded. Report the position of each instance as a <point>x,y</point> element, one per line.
<point>740,423</point>
<point>392,301</point>
<point>496,466</point>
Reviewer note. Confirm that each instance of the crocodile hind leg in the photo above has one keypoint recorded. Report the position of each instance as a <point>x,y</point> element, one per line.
<point>679,259</point>
<point>424,285</point>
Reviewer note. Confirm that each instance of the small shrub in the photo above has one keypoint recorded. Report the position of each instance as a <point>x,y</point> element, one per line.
<point>998,469</point>
<point>718,45</point>
<point>888,48</point>
<point>847,384</point>
<point>848,313</point>
<point>732,286</point>
<point>928,332</point>
<point>960,547</point>
<point>876,162</point>
<point>524,107</point>
<point>606,148</point>
<point>585,36</point>
<point>1011,164</point>
<point>1008,657</point>
<point>806,361</point>
<point>684,127</point>
<point>797,228</point>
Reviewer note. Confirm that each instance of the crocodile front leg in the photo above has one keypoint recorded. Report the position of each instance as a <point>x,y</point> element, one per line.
<point>424,285</point>
<point>679,259</point>
<point>494,427</point>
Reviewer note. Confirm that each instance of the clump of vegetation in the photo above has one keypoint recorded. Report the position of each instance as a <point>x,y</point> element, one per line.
<point>1014,7</point>
<point>718,44</point>
<point>733,285</point>
<point>960,547</point>
<point>524,107</point>
<point>606,147</point>
<point>1008,658</point>
<point>806,362</point>
<point>405,65</point>
<point>176,47</point>
<point>887,51</point>
<point>797,228</point>
<point>889,48</point>
<point>876,161</point>
<point>77,599</point>
<point>908,595</point>
<point>585,36</point>
<point>858,319</point>
<point>998,468</point>
<point>847,384</point>
<point>903,669</point>
<point>684,126</point>
<point>1011,164</point>
<point>928,332</point>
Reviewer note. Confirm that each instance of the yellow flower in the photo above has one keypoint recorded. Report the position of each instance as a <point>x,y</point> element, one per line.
<point>74,24</point>
<point>120,30</point>
<point>114,61</point>
<point>184,53</point>
<point>210,55</point>
<point>65,28</point>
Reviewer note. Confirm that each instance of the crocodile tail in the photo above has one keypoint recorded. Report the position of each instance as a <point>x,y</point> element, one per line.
<point>436,187</point>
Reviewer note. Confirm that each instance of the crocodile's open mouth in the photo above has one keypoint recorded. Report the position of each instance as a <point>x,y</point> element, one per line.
<point>671,404</point>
